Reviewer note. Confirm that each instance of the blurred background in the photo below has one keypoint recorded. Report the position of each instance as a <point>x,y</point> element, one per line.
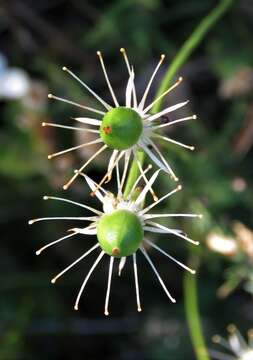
<point>37,38</point>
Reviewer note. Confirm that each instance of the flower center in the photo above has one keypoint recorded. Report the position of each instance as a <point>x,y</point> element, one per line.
<point>121,128</point>
<point>120,233</point>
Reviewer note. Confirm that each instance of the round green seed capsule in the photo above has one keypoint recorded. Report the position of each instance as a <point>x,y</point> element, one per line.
<point>120,233</point>
<point>121,128</point>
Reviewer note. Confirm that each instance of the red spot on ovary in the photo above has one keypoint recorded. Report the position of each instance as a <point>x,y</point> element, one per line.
<point>107,129</point>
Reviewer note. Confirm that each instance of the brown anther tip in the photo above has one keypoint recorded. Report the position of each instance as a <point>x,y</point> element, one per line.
<point>92,194</point>
<point>115,251</point>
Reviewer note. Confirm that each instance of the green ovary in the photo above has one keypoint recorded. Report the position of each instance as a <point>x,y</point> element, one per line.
<point>121,128</point>
<point>120,233</point>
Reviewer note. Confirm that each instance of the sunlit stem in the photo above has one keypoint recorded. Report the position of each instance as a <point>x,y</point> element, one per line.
<point>180,79</point>
<point>74,263</point>
<point>38,252</point>
<point>51,96</point>
<point>170,257</point>
<point>144,97</point>
<point>157,274</point>
<point>74,148</point>
<point>87,278</point>
<point>107,106</point>
<point>107,78</point>
<point>66,186</point>
<point>107,298</point>
<point>136,283</point>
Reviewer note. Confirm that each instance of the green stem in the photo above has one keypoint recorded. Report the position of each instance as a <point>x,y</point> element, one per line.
<point>192,312</point>
<point>133,172</point>
<point>190,44</point>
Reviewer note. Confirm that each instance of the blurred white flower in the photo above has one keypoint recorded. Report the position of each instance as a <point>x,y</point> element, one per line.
<point>224,245</point>
<point>15,83</point>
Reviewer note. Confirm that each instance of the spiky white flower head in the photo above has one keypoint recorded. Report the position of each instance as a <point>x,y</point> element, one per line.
<point>124,128</point>
<point>236,344</point>
<point>120,229</point>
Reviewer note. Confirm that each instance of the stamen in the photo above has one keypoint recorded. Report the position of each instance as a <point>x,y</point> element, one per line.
<point>170,257</point>
<point>153,216</point>
<point>217,339</point>
<point>147,188</point>
<point>136,283</point>
<point>38,252</point>
<point>87,278</point>
<point>92,184</point>
<point>109,285</point>
<point>155,198</point>
<point>167,110</point>
<point>157,274</point>
<point>178,188</point>
<point>106,178</point>
<point>180,79</point>
<point>174,141</point>
<point>172,231</point>
<point>90,218</point>
<point>144,97</point>
<point>70,127</point>
<point>165,166</point>
<point>138,180</point>
<point>74,148</point>
<point>66,186</point>
<point>123,52</point>
<point>51,96</point>
<point>121,265</point>
<point>74,263</point>
<point>107,79</point>
<point>87,121</point>
<point>73,202</point>
<point>107,106</point>
<point>193,117</point>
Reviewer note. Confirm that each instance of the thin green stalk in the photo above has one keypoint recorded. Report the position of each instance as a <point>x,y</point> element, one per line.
<point>133,173</point>
<point>192,313</point>
<point>190,44</point>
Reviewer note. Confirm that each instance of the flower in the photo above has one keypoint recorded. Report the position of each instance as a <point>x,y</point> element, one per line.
<point>120,229</point>
<point>235,344</point>
<point>124,128</point>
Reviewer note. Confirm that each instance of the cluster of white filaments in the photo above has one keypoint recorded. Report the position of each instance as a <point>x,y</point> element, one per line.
<point>236,344</point>
<point>151,124</point>
<point>132,202</point>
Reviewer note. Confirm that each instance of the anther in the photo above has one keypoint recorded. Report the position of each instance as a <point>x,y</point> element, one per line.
<point>45,197</point>
<point>216,339</point>
<point>64,68</point>
<point>162,56</point>
<point>50,96</point>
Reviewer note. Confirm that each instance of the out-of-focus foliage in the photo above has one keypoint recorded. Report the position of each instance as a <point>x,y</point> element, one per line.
<point>37,320</point>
